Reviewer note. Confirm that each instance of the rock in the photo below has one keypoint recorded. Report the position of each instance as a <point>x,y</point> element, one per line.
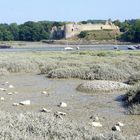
<point>6,82</point>
<point>45,110</point>
<point>11,86</point>
<point>26,102</point>
<point>9,93</point>
<point>96,124</point>
<point>94,118</point>
<point>15,104</point>
<point>62,104</point>
<point>58,116</point>
<point>116,128</point>
<point>15,92</point>
<point>44,92</point>
<point>120,124</point>
<point>3,89</point>
<point>2,98</point>
<point>61,113</point>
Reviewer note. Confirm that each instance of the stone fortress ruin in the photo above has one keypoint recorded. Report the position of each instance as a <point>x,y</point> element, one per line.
<point>72,29</point>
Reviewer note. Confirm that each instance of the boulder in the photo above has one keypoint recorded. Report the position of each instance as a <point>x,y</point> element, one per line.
<point>63,104</point>
<point>11,86</point>
<point>96,124</point>
<point>94,118</point>
<point>9,93</point>
<point>116,128</point>
<point>3,89</point>
<point>120,124</point>
<point>26,102</point>
<point>2,98</point>
<point>45,110</point>
<point>44,92</point>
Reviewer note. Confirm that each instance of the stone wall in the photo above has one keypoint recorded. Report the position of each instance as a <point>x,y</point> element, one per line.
<point>74,29</point>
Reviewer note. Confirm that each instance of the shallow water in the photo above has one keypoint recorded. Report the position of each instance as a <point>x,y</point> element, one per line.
<point>46,47</point>
<point>80,105</point>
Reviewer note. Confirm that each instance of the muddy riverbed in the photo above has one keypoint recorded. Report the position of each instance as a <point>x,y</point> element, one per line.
<point>108,107</point>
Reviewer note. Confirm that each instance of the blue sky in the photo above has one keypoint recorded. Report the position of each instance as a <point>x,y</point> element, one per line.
<point>67,10</point>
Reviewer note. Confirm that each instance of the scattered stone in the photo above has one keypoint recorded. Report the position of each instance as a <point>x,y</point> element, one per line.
<point>120,124</point>
<point>94,118</point>
<point>15,104</point>
<point>9,93</point>
<point>11,86</point>
<point>26,102</point>
<point>44,92</point>
<point>96,124</point>
<point>3,89</point>
<point>116,128</point>
<point>62,104</point>
<point>61,113</point>
<point>58,116</point>
<point>45,110</point>
<point>2,98</point>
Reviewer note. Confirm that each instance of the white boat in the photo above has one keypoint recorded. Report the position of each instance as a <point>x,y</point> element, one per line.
<point>68,49</point>
<point>131,48</point>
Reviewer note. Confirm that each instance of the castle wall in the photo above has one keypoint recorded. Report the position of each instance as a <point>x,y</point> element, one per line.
<point>71,30</point>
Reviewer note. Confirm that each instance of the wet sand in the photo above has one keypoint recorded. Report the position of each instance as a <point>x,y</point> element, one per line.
<point>80,105</point>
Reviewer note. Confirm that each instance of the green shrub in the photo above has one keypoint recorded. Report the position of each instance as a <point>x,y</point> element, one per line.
<point>105,72</point>
<point>132,98</point>
<point>133,79</point>
<point>68,72</point>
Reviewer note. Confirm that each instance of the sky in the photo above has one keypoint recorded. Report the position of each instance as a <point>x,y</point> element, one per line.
<point>20,11</point>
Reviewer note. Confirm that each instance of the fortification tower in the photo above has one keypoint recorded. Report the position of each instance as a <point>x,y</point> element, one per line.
<point>68,29</point>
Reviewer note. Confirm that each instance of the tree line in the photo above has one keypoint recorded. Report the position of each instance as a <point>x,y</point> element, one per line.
<point>29,31</point>
<point>36,31</point>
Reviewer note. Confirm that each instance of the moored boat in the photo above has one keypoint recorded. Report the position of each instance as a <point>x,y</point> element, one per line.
<point>68,49</point>
<point>5,46</point>
<point>131,48</point>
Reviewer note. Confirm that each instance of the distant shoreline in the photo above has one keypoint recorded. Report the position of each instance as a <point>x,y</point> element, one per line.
<point>26,44</point>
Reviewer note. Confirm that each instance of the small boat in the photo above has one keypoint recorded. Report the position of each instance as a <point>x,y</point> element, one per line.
<point>5,46</point>
<point>68,49</point>
<point>137,47</point>
<point>131,48</point>
<point>115,47</point>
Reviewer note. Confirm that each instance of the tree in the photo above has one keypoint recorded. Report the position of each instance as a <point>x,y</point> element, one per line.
<point>14,29</point>
<point>82,34</point>
<point>133,32</point>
